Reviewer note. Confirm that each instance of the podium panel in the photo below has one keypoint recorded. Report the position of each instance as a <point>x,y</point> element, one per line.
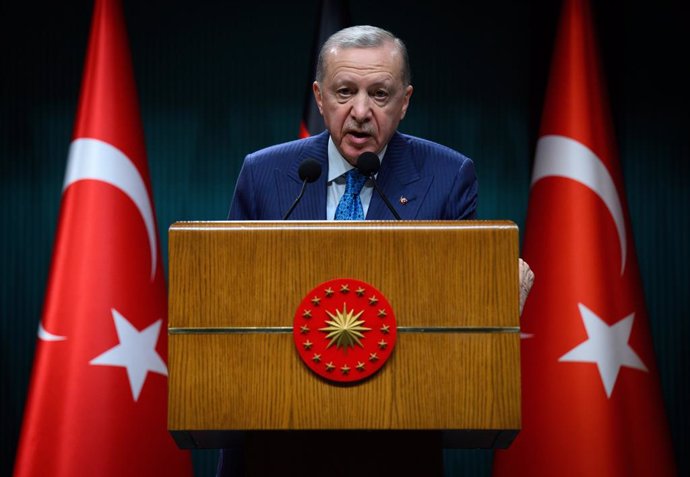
<point>234,290</point>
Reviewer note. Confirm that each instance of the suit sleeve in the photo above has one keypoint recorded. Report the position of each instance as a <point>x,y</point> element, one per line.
<point>243,206</point>
<point>462,201</point>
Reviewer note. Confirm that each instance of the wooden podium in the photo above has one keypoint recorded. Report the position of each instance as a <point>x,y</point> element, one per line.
<point>233,366</point>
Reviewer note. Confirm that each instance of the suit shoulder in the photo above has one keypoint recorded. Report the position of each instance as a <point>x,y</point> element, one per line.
<point>278,152</point>
<point>421,147</point>
<point>275,152</point>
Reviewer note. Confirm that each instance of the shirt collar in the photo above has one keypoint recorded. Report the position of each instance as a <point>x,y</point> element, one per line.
<point>337,164</point>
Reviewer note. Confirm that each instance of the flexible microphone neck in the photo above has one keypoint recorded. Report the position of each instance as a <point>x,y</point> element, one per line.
<point>309,171</point>
<point>369,164</point>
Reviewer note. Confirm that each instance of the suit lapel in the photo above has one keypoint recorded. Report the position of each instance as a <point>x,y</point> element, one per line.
<point>400,181</point>
<point>288,184</point>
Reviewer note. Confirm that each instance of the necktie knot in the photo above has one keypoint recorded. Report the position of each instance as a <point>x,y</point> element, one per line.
<point>350,205</point>
<point>354,182</point>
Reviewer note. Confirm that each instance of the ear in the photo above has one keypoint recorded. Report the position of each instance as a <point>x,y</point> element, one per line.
<point>406,100</point>
<point>318,96</point>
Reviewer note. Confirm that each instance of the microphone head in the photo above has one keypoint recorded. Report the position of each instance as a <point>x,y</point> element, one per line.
<point>309,170</point>
<point>368,163</point>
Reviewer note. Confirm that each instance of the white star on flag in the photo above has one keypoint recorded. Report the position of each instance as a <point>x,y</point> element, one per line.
<point>136,352</point>
<point>607,346</point>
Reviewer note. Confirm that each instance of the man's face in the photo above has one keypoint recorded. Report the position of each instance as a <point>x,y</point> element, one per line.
<point>362,98</point>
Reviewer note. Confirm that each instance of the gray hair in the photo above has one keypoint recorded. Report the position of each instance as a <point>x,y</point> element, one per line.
<point>363,36</point>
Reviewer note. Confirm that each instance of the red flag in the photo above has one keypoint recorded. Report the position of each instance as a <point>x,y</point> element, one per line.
<point>98,396</point>
<point>333,16</point>
<point>592,401</point>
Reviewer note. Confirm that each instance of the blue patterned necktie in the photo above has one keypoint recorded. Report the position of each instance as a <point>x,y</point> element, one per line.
<point>350,205</point>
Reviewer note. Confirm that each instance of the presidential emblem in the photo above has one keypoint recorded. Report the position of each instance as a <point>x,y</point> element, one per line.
<point>344,330</point>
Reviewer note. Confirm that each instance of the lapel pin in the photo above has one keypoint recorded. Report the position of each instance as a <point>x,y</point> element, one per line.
<point>403,200</point>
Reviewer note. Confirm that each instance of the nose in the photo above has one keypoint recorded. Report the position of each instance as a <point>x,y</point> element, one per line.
<point>361,107</point>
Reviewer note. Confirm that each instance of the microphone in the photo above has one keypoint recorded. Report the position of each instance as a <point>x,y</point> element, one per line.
<point>369,164</point>
<point>309,170</point>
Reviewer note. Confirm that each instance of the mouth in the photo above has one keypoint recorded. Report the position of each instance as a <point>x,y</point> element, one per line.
<point>359,138</point>
<point>359,135</point>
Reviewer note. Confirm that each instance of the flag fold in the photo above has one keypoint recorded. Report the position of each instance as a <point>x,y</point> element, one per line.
<point>97,400</point>
<point>592,401</point>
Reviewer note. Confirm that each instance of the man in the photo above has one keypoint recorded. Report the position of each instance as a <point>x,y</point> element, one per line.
<point>363,89</point>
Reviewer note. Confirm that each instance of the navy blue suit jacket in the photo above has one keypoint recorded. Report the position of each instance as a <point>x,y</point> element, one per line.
<point>438,182</point>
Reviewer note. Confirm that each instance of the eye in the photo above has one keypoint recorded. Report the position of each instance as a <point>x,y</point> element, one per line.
<point>380,95</point>
<point>343,92</point>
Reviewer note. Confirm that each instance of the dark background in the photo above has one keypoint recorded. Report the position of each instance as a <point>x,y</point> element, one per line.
<point>219,79</point>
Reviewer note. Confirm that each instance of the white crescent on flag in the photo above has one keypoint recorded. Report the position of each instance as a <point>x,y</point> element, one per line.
<point>45,335</point>
<point>92,159</point>
<point>560,156</point>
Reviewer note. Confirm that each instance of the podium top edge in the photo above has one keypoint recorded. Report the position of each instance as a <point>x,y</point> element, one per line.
<point>328,224</point>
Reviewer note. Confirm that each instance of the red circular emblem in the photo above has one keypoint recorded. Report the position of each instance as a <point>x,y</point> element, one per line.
<point>344,330</point>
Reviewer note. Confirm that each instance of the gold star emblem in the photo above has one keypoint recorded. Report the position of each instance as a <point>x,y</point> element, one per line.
<point>345,328</point>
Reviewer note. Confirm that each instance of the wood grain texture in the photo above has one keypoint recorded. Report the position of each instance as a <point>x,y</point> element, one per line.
<point>257,381</point>
<point>434,274</point>
<point>255,273</point>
